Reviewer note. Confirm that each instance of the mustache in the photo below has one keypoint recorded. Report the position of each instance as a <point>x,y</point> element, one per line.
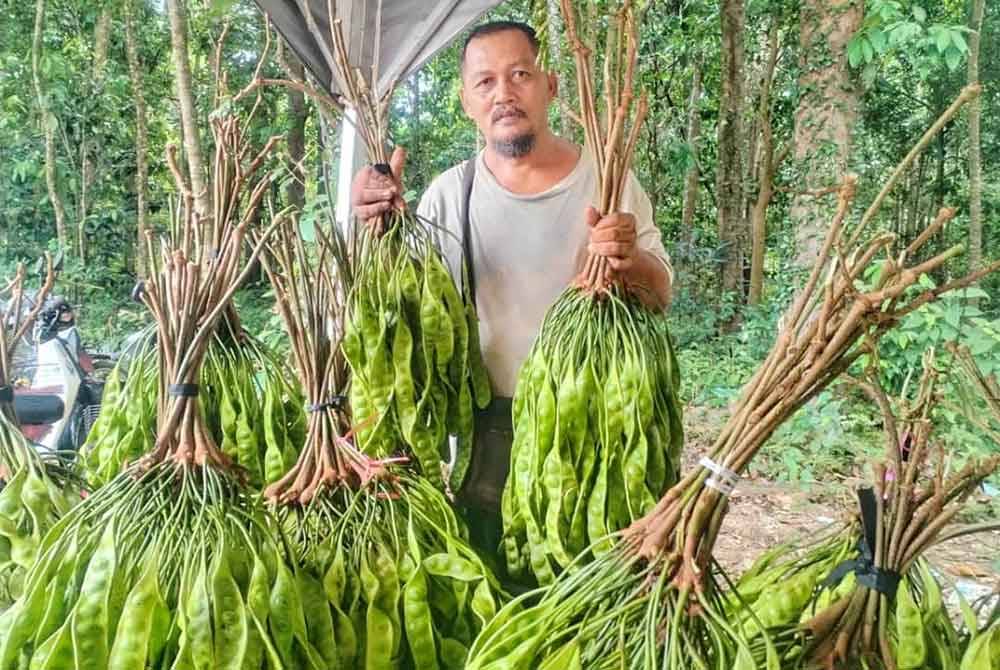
<point>503,112</point>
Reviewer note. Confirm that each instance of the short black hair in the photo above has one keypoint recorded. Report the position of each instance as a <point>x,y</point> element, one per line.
<point>494,27</point>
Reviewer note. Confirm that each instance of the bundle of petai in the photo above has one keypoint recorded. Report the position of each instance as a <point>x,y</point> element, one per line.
<point>392,580</point>
<point>411,337</point>
<point>34,491</point>
<point>597,420</point>
<point>867,594</point>
<point>252,410</point>
<point>172,564</point>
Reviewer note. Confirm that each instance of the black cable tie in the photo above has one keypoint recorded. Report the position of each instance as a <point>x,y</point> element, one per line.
<point>7,394</point>
<point>183,390</point>
<point>382,168</point>
<point>838,573</point>
<point>335,402</point>
<point>884,581</point>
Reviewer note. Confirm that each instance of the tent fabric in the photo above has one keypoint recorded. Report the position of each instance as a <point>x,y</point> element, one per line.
<point>405,34</point>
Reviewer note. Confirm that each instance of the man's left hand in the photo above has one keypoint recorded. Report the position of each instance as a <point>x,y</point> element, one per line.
<point>614,237</point>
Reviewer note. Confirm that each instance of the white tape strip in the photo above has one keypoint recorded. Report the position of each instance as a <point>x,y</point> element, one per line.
<point>722,480</point>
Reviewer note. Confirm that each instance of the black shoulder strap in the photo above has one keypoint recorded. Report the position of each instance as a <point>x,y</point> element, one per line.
<point>467,179</point>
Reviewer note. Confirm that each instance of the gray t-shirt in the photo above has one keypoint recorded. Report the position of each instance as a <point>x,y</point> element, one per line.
<point>526,249</point>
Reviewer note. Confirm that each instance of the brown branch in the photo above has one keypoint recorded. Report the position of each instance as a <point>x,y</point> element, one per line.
<point>217,65</point>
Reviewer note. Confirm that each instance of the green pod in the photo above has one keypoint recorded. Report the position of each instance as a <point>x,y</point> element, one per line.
<point>380,634</point>
<point>89,619</point>
<point>57,652</point>
<point>229,620</point>
<point>432,310</point>
<point>318,620</point>
<point>142,625</point>
<point>567,658</point>
<point>197,607</point>
<point>286,619</point>
<point>481,391</point>
<point>911,647</point>
<point>418,622</point>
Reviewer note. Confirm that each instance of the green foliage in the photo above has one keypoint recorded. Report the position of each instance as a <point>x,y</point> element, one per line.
<point>893,27</point>
<point>255,305</point>
<point>955,318</point>
<point>712,372</point>
<point>830,435</point>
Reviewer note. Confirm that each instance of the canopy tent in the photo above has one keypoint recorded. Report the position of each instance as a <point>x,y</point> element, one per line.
<point>401,34</point>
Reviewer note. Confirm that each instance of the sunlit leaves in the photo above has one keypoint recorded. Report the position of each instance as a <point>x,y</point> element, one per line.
<point>892,29</point>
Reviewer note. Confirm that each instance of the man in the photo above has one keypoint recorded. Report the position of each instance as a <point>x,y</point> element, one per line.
<point>529,226</point>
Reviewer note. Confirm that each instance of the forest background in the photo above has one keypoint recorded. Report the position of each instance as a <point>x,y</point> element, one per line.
<point>756,107</point>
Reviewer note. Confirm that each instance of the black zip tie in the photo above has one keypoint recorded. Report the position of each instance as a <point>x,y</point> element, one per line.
<point>382,168</point>
<point>6,394</point>
<point>335,402</point>
<point>183,390</point>
<point>884,581</point>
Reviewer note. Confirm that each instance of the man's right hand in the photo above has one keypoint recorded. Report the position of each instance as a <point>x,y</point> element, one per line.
<point>374,194</point>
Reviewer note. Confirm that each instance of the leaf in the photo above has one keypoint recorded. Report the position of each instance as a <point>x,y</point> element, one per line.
<point>896,33</point>
<point>942,38</point>
<point>878,39</point>
<point>971,622</point>
<point>953,58</point>
<point>866,47</point>
<point>919,13</point>
<point>307,229</point>
<point>889,10</point>
<point>953,317</point>
<point>958,39</point>
<point>854,52</point>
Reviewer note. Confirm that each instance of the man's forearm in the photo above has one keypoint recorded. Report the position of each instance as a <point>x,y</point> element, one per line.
<point>649,280</point>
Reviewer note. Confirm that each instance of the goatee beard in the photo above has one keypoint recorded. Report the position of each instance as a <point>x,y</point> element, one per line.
<point>515,147</point>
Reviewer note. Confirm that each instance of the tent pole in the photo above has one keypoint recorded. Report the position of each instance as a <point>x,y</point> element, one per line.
<point>352,158</point>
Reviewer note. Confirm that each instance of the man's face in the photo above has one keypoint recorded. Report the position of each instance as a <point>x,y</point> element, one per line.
<point>505,92</point>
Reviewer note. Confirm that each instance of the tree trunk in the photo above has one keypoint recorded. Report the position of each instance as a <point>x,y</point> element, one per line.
<point>559,125</point>
<point>939,102</point>
<point>555,30</point>
<point>826,113</point>
<point>295,192</point>
<point>48,125</point>
<point>185,95</point>
<point>975,148</point>
<point>765,171</point>
<point>141,137</point>
<point>690,201</point>
<point>102,32</point>
<point>729,172</point>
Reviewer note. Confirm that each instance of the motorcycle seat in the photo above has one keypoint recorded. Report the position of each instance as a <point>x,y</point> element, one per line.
<point>38,408</point>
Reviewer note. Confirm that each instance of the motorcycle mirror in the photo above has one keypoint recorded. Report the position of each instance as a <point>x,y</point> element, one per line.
<point>138,290</point>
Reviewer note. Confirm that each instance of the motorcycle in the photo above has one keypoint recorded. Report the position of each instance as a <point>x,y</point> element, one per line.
<point>57,395</point>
